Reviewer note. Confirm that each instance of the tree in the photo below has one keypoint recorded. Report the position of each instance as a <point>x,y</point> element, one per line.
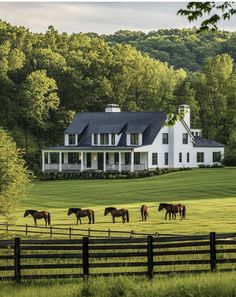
<point>38,96</point>
<point>216,12</point>
<point>14,177</point>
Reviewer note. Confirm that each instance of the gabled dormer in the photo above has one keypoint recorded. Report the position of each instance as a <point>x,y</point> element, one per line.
<point>71,139</point>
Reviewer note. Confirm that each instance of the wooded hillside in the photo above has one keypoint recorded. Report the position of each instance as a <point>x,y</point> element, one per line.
<point>46,78</point>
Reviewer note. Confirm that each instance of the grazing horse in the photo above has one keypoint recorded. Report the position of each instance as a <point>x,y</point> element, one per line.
<point>124,213</point>
<point>39,215</point>
<point>144,212</point>
<point>173,209</point>
<point>82,213</point>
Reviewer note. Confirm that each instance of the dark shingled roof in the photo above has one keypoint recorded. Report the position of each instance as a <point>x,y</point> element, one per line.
<point>203,142</point>
<point>117,122</point>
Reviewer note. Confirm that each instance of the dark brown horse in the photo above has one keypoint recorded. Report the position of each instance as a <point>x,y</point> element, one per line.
<point>39,215</point>
<point>144,212</point>
<point>124,213</point>
<point>173,209</point>
<point>82,213</point>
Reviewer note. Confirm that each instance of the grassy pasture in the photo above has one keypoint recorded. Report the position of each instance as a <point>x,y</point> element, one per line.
<point>211,285</point>
<point>209,195</point>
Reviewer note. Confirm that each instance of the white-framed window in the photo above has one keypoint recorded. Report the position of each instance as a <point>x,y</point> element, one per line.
<point>134,139</point>
<point>166,158</point>
<point>113,139</point>
<point>216,156</point>
<point>95,139</point>
<point>185,138</point>
<point>188,157</point>
<point>200,157</point>
<point>154,158</point>
<point>104,139</point>
<point>165,138</point>
<point>72,139</point>
<point>180,157</point>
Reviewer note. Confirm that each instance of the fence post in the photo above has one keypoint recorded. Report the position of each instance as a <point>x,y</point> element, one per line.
<point>51,231</point>
<point>89,232</point>
<point>109,232</point>
<point>213,251</point>
<point>7,227</point>
<point>69,232</point>
<point>17,275</point>
<point>150,256</point>
<point>85,257</point>
<point>26,230</point>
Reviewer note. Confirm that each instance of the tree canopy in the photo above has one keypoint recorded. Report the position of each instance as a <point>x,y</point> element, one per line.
<point>215,11</point>
<point>46,78</point>
<point>13,175</point>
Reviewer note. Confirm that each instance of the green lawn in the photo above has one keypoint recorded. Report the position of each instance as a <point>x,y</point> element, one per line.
<point>209,195</point>
<point>210,285</point>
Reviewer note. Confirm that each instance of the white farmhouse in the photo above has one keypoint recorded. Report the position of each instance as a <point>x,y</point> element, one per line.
<point>130,141</point>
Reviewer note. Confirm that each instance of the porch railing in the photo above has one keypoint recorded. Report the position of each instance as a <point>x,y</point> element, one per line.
<point>109,167</point>
<point>51,167</point>
<point>70,166</point>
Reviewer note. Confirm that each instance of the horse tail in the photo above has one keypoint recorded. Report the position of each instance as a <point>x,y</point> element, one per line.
<point>93,217</point>
<point>127,215</point>
<point>184,212</point>
<point>49,219</point>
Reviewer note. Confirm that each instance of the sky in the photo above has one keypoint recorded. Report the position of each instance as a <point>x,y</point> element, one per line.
<point>99,17</point>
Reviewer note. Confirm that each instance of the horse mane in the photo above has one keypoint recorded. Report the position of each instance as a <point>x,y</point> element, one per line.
<point>31,210</point>
<point>110,208</point>
<point>74,210</point>
<point>165,204</point>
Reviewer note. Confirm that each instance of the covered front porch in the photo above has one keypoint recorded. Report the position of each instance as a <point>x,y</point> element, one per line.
<point>94,161</point>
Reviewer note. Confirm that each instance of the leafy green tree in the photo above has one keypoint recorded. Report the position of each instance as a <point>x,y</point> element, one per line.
<point>215,11</point>
<point>38,96</point>
<point>14,177</point>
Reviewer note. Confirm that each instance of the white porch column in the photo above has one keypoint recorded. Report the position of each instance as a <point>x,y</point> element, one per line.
<point>147,166</point>
<point>43,161</point>
<point>119,161</point>
<point>132,161</point>
<point>104,162</point>
<point>81,161</point>
<point>49,158</point>
<point>60,161</point>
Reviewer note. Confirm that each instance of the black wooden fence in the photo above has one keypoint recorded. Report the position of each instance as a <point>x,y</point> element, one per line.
<point>33,259</point>
<point>70,232</point>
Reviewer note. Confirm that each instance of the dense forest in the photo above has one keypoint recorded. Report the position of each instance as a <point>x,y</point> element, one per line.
<point>46,78</point>
<point>184,48</point>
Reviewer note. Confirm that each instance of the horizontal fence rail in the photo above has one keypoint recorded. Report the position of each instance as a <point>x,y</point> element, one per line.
<point>69,232</point>
<point>86,257</point>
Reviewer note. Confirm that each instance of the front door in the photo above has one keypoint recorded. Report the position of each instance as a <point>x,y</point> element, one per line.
<point>100,161</point>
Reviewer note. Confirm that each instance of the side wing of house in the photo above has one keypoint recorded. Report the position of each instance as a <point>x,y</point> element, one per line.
<point>176,147</point>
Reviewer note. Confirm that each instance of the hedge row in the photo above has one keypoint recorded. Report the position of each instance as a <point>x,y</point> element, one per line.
<point>104,175</point>
<point>211,166</point>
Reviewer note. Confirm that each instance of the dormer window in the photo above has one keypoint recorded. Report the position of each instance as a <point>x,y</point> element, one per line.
<point>72,139</point>
<point>104,139</point>
<point>134,139</point>
<point>95,139</point>
<point>113,139</point>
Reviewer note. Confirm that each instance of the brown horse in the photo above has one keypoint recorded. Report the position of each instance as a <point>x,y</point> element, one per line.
<point>144,212</point>
<point>173,209</point>
<point>39,215</point>
<point>82,213</point>
<point>124,213</point>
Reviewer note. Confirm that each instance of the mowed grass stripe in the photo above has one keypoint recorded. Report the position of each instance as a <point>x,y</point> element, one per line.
<point>186,185</point>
